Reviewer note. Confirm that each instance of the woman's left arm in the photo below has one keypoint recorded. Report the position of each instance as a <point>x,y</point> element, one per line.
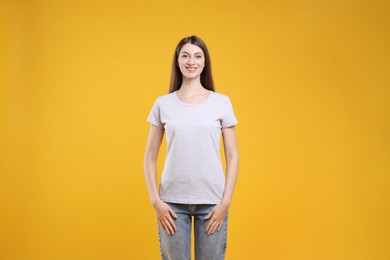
<point>218,213</point>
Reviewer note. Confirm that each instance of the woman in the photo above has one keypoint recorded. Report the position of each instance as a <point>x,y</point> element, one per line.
<point>193,184</point>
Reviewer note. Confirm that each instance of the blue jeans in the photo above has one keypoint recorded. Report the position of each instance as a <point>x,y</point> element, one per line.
<point>178,245</point>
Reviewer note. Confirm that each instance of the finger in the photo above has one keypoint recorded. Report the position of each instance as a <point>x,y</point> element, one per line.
<point>210,214</point>
<point>210,226</point>
<point>164,226</point>
<point>161,224</point>
<point>220,225</point>
<point>172,212</point>
<point>216,227</point>
<point>169,226</point>
<point>172,223</point>
<point>213,226</point>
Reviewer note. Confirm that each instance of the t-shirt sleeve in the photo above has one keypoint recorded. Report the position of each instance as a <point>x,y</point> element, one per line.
<point>229,119</point>
<point>155,114</point>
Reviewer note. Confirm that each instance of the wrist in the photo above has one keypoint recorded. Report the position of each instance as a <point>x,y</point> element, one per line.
<point>226,202</point>
<point>155,201</point>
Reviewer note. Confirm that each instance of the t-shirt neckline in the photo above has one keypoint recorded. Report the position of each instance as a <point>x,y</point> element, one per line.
<point>192,104</point>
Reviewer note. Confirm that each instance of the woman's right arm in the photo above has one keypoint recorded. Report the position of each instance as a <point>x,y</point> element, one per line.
<point>163,211</point>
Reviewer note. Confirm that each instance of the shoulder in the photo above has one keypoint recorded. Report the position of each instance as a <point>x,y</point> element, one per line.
<point>165,98</point>
<point>222,98</point>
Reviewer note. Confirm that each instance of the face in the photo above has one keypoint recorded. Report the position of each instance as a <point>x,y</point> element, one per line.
<point>191,60</point>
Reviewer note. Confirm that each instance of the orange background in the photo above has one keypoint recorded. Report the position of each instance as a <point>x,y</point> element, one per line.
<point>309,82</point>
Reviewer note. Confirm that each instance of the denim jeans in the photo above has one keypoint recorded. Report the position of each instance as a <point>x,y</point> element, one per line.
<point>178,245</point>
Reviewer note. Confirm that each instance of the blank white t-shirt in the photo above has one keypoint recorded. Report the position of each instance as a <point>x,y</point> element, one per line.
<point>193,172</point>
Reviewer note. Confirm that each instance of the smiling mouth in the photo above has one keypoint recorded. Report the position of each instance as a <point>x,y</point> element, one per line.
<point>191,69</point>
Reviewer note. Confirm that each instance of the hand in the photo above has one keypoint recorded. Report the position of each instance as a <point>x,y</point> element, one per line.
<point>164,215</point>
<point>217,215</point>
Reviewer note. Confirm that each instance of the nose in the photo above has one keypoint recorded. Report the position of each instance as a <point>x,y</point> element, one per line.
<point>191,60</point>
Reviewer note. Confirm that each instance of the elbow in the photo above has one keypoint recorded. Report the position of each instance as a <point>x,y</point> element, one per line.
<point>150,158</point>
<point>232,156</point>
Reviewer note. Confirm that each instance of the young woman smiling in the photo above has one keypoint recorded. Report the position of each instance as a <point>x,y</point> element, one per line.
<point>193,186</point>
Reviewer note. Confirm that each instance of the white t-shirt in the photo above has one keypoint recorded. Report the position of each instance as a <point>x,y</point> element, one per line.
<point>193,172</point>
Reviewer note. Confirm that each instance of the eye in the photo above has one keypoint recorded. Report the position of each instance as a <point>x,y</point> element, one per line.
<point>199,56</point>
<point>184,55</point>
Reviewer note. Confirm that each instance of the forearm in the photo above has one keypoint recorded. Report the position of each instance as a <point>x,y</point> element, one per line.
<point>231,177</point>
<point>150,172</point>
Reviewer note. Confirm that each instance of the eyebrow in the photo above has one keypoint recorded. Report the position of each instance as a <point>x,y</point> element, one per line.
<point>189,53</point>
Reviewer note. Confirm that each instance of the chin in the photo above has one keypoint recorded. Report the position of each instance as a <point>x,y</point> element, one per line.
<point>191,76</point>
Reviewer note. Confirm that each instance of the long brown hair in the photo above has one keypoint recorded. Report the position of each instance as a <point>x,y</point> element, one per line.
<point>206,78</point>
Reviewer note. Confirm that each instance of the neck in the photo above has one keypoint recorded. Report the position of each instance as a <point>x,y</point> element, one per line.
<point>191,86</point>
